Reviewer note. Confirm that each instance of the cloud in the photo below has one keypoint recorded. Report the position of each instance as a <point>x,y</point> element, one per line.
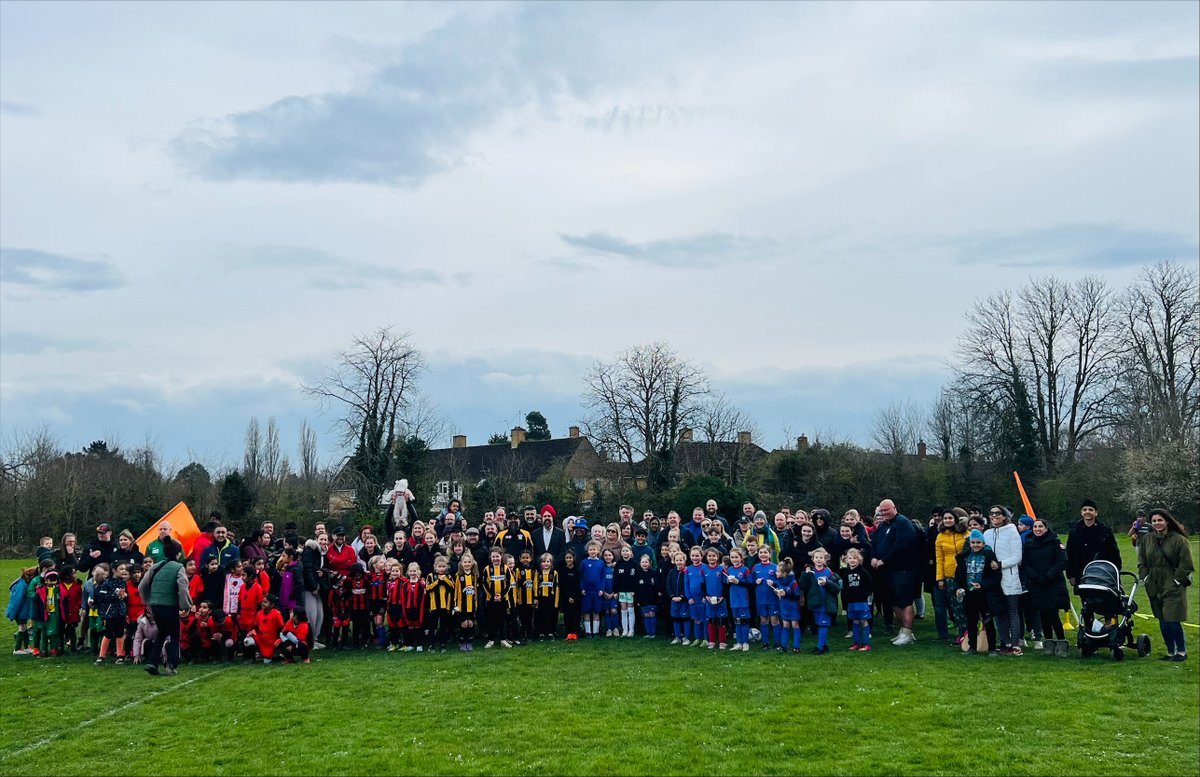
<point>322,269</point>
<point>10,108</point>
<point>31,343</point>
<point>629,118</point>
<point>43,270</point>
<point>1138,78</point>
<point>696,251</point>
<point>1098,246</point>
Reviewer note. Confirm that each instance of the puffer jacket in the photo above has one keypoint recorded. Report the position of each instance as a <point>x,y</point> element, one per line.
<point>1005,542</point>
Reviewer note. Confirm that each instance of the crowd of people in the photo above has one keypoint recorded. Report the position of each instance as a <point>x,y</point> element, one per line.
<point>709,581</point>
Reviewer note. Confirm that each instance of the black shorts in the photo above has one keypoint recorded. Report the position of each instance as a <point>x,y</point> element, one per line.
<point>904,584</point>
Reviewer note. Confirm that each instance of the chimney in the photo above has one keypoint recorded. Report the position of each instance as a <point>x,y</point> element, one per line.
<point>743,438</point>
<point>518,436</point>
<point>685,435</point>
<point>460,441</point>
<point>573,432</point>
<point>802,442</point>
<point>921,450</point>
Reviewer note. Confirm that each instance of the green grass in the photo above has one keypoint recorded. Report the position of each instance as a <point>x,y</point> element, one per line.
<point>610,707</point>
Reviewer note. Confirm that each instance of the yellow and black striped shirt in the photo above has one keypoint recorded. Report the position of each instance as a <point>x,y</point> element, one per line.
<point>441,590</point>
<point>545,585</point>
<point>496,582</point>
<point>466,593</point>
<point>522,586</point>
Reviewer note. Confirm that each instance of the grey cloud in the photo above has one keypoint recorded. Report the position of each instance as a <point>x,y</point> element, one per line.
<point>629,118</point>
<point>325,270</point>
<point>44,270</point>
<point>701,251</point>
<point>33,343</point>
<point>1098,246</point>
<point>10,108</point>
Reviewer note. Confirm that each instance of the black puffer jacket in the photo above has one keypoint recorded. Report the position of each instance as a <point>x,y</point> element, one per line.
<point>1043,560</point>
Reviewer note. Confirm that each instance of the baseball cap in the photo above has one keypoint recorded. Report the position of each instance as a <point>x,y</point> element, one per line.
<point>339,530</point>
<point>103,528</point>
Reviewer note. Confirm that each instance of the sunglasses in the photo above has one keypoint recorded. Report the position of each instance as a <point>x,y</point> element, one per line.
<point>995,512</point>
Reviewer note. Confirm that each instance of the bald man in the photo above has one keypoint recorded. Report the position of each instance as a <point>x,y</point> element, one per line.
<point>897,556</point>
<point>155,549</point>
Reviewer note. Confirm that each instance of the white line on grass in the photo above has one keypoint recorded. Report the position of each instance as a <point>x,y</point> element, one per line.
<point>129,705</point>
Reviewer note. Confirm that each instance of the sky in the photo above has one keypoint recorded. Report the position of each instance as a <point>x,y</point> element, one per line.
<point>200,204</point>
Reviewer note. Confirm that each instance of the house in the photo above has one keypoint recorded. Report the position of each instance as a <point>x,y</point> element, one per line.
<point>726,459</point>
<point>522,462</point>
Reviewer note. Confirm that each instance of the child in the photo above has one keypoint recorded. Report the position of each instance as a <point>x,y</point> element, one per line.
<point>110,599</point>
<point>358,588</point>
<point>379,597</point>
<point>293,640</point>
<point>439,587</point>
<point>195,581</point>
<point>765,599</point>
<point>147,632</point>
<point>977,578</point>
<point>591,589</point>
<point>212,585</point>
<point>611,599</point>
<point>268,625</point>
<point>693,584</point>
<point>546,599</point>
<point>523,594</point>
<point>821,587</point>
<point>740,581</point>
<point>570,596</point>
<point>188,638</point>
<point>239,575</point>
<point>395,606</point>
<point>134,606</point>
<point>466,601</point>
<point>646,587</point>
<point>291,583</point>
<point>49,614</point>
<point>45,549</point>
<point>72,604</point>
<point>495,583</point>
<point>412,603</point>
<point>715,608</point>
<point>857,587</point>
<point>249,598</point>
<point>213,628</point>
<point>681,623</point>
<point>339,610</point>
<point>625,586</point>
<point>787,592</point>
<point>20,610</point>
<point>91,627</point>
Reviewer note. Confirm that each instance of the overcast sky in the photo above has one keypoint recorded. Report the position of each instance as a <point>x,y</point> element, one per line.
<point>200,203</point>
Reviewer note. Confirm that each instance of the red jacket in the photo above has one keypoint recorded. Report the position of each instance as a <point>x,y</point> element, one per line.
<point>210,625</point>
<point>134,606</point>
<point>72,601</point>
<point>203,541</point>
<point>266,631</point>
<point>249,598</point>
<point>341,561</point>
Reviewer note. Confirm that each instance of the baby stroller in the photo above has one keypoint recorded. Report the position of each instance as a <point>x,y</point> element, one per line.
<point>1107,619</point>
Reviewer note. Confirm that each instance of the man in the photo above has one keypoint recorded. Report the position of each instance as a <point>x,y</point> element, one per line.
<point>340,557</point>
<point>514,539</point>
<point>99,550</point>
<point>624,515</point>
<point>155,549</point>
<point>206,535</point>
<point>549,538</point>
<point>529,519</point>
<point>489,517</point>
<point>222,548</point>
<point>694,531</point>
<point>1089,540</point>
<point>1140,526</point>
<point>710,509</point>
<point>898,555</point>
<point>748,511</point>
<point>476,548</point>
<point>488,539</point>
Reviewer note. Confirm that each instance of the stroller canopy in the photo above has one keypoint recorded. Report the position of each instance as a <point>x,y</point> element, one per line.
<point>1101,574</point>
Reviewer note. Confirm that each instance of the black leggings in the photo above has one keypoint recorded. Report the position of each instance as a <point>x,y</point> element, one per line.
<point>1051,624</point>
<point>167,620</point>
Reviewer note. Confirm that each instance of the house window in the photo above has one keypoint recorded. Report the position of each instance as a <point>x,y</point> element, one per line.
<point>443,488</point>
<point>580,483</point>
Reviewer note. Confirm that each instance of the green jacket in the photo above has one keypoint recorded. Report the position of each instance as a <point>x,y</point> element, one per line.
<point>166,585</point>
<point>815,593</point>
<point>1166,564</point>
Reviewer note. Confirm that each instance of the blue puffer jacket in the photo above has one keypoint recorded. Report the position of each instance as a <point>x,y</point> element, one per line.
<point>20,605</point>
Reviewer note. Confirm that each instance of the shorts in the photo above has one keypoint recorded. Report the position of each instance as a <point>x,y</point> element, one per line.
<point>821,618</point>
<point>697,611</point>
<point>625,597</point>
<point>789,609</point>
<point>858,611</point>
<point>611,605</point>
<point>679,610</point>
<point>379,608</point>
<point>650,610</point>
<point>593,604</point>
<point>768,606</point>
<point>904,585</point>
<point>740,614</point>
<point>714,612</point>
<point>114,628</point>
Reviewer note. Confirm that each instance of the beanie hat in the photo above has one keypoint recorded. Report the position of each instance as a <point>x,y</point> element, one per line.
<point>1087,503</point>
<point>975,535</point>
<point>549,509</point>
<point>1026,521</point>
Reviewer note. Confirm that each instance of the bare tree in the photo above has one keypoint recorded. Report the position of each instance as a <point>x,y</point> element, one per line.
<point>271,452</point>
<point>309,462</point>
<point>897,427</point>
<point>252,458</point>
<point>640,403</point>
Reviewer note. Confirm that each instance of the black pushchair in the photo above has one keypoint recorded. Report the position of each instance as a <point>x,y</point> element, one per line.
<point>1107,619</point>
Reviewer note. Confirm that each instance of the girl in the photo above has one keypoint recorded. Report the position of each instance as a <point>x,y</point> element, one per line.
<point>291,585</point>
<point>20,610</point>
<point>681,623</point>
<point>591,589</point>
<point>91,621</point>
<point>523,594</point>
<point>611,601</point>
<point>395,605</point>
<point>1043,561</point>
<point>821,587</point>
<point>740,581</point>
<point>569,595</point>
<point>546,598</point>
<point>647,588</point>
<point>857,586</point>
<point>495,586</point>
<point>466,601</point>
<point>134,606</point>
<point>370,549</point>
<point>212,584</point>
<point>714,598</point>
<point>378,581</point>
<point>765,599</point>
<point>951,537</point>
<point>240,574</point>
<point>412,601</point>
<point>693,587</point>
<point>457,548</point>
<point>787,592</point>
<point>110,599</point>
<point>400,550</point>
<point>977,583</point>
<point>293,640</point>
<point>1165,561</point>
<point>625,586</point>
<point>249,599</point>
<point>359,589</point>
<point>143,638</point>
<point>195,581</point>
<point>427,551</point>
<point>268,624</point>
<point>72,605</point>
<point>439,587</point>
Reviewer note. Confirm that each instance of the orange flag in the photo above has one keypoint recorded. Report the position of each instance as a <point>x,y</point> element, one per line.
<point>1028,507</point>
<point>183,529</point>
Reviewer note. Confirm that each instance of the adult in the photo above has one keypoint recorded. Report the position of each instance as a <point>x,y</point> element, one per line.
<point>549,538</point>
<point>1088,541</point>
<point>222,549</point>
<point>823,523</point>
<point>765,534</point>
<point>127,551</point>
<point>341,557</point>
<point>205,537</point>
<point>515,540</point>
<point>529,519</point>
<point>898,556</point>
<point>400,550</point>
<point>68,552</point>
<point>448,517</point>
<point>370,549</point>
<point>476,547</point>
<point>312,562</point>
<point>99,550</point>
<point>361,538</point>
<point>625,515</point>
<point>693,533</point>
<point>710,510</point>
<point>579,538</point>
<point>1043,561</point>
<point>155,549</point>
<point>803,544</point>
<point>256,546</point>
<point>1165,562</point>
<point>1005,541</point>
<point>612,539</point>
<point>164,589</point>
<point>949,542</point>
<point>1140,526</point>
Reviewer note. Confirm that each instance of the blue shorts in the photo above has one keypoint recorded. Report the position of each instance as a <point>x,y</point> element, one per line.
<point>740,614</point>
<point>789,609</point>
<point>858,611</point>
<point>611,605</point>
<point>650,610</point>
<point>679,610</point>
<point>697,611</point>
<point>768,607</point>
<point>714,612</point>
<point>592,604</point>
<point>821,618</point>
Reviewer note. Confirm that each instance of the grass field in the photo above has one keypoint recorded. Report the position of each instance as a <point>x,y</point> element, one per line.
<point>610,707</point>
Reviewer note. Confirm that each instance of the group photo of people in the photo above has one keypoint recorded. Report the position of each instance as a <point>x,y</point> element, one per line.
<point>795,581</point>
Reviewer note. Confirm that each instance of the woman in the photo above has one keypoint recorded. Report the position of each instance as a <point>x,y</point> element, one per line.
<point>69,551</point>
<point>164,589</point>
<point>949,542</point>
<point>127,551</point>
<point>1005,541</point>
<point>312,562</point>
<point>255,546</point>
<point>369,549</point>
<point>612,540</point>
<point>1165,563</point>
<point>1043,561</point>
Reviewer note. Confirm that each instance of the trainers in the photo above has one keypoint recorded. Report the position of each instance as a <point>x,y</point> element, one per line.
<point>491,643</point>
<point>406,649</point>
<point>675,641</point>
<point>904,639</point>
<point>99,661</point>
<point>462,648</point>
<point>765,646</point>
<point>420,648</point>
<point>170,671</point>
<point>1016,651</point>
<point>712,645</point>
<point>854,646</point>
<point>120,659</point>
<point>865,649</point>
<point>1179,657</point>
<point>849,635</point>
<point>308,660</point>
<point>723,646</point>
<point>505,643</point>
<point>152,669</point>
<point>685,642</point>
<point>318,646</point>
<point>1038,644</point>
<point>470,646</point>
<point>819,651</point>
<point>391,648</point>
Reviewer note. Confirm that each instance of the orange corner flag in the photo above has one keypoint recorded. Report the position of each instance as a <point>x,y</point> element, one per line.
<point>1028,507</point>
<point>183,529</point>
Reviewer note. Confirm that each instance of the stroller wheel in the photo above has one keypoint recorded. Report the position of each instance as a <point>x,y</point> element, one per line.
<point>1118,654</point>
<point>1143,645</point>
<point>1086,650</point>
